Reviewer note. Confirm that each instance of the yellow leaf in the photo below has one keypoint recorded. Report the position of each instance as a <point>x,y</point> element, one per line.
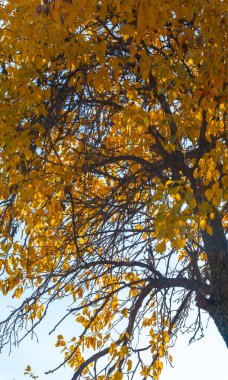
<point>124,312</point>
<point>112,348</point>
<point>28,368</point>
<point>178,197</point>
<point>180,243</point>
<point>18,292</point>
<point>203,224</point>
<point>195,174</point>
<point>161,247</point>
<point>145,371</point>
<point>129,365</point>
<point>209,230</point>
<point>203,256</point>
<point>209,194</point>
<point>117,376</point>
<point>28,154</point>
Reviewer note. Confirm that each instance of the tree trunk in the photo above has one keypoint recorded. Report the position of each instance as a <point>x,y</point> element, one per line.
<point>217,253</point>
<point>220,317</point>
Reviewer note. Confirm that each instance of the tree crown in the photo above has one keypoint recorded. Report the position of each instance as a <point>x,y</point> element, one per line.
<point>113,174</point>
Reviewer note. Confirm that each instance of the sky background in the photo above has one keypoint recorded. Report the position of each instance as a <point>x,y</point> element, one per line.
<point>206,359</point>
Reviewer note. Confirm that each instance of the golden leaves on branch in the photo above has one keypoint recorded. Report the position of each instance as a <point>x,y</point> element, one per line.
<point>113,160</point>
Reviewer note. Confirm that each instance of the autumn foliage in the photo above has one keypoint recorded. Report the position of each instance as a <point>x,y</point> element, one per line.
<point>114,177</point>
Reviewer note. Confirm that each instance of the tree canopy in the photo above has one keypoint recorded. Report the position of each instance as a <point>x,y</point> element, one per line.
<point>114,177</point>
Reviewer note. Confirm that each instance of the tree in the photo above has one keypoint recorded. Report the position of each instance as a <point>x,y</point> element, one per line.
<point>114,175</point>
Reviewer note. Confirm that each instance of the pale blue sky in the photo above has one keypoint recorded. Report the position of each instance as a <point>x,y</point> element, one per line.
<point>206,359</point>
